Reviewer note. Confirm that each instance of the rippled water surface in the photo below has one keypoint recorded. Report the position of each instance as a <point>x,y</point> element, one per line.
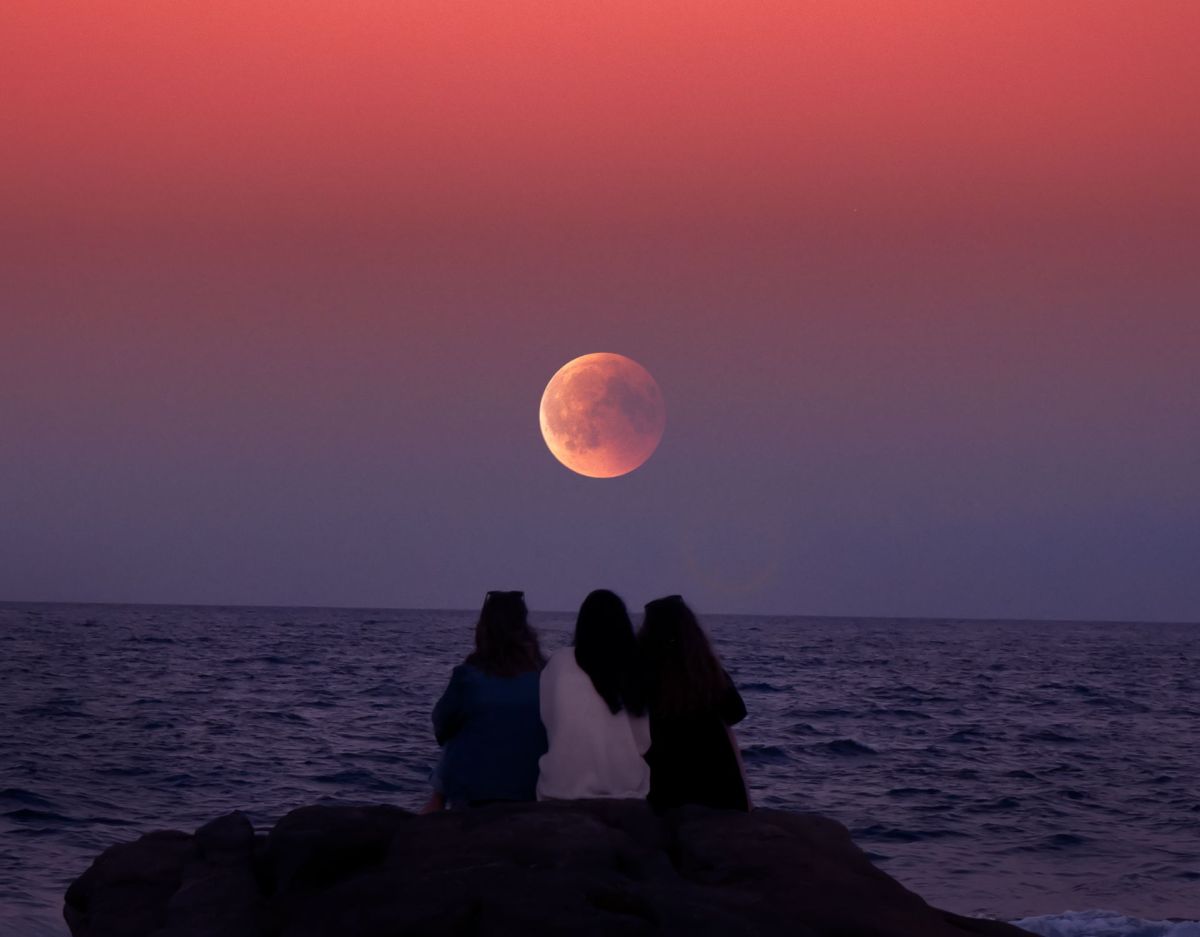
<point>1011,769</point>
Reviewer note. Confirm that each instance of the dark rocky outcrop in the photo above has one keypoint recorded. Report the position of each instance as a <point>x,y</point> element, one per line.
<point>585,868</point>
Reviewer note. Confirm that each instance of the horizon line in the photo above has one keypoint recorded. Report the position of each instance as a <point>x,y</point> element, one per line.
<point>545,611</point>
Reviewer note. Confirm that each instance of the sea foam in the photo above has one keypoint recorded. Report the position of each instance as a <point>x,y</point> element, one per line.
<point>1105,924</point>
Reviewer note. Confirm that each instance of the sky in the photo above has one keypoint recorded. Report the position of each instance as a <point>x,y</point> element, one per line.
<point>282,284</point>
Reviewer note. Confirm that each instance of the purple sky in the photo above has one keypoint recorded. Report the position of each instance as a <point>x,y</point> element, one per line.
<point>278,305</point>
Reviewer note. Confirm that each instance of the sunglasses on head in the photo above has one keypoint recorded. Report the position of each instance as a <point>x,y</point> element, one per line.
<point>497,593</point>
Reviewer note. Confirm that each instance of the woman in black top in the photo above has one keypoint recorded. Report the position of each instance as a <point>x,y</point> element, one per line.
<point>692,703</point>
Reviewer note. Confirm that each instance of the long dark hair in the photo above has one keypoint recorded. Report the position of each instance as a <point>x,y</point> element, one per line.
<point>505,645</point>
<point>606,650</point>
<point>681,671</point>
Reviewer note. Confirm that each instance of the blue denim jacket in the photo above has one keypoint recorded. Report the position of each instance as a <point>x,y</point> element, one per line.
<point>492,734</point>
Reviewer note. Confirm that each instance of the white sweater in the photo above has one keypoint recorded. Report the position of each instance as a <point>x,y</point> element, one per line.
<point>593,753</point>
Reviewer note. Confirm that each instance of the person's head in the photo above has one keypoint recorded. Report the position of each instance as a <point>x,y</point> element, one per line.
<point>681,671</point>
<point>505,645</point>
<point>606,650</point>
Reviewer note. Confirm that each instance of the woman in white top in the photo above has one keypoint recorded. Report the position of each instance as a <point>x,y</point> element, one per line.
<point>594,710</point>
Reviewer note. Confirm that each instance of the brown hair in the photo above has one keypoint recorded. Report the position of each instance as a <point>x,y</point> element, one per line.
<point>505,644</point>
<point>682,672</point>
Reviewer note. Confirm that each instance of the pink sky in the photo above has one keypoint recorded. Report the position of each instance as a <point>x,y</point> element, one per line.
<point>284,281</point>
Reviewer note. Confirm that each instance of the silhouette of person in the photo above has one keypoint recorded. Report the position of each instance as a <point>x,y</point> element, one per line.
<point>593,710</point>
<point>487,720</point>
<point>692,704</point>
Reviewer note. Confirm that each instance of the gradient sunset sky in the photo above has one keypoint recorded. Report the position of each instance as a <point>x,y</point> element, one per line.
<point>283,283</point>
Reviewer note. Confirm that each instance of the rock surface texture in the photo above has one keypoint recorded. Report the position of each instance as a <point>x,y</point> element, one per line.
<point>580,868</point>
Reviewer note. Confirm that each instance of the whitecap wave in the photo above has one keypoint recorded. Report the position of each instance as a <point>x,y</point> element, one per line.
<point>1105,924</point>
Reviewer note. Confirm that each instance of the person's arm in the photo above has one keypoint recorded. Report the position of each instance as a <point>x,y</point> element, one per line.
<point>641,732</point>
<point>450,711</point>
<point>548,691</point>
<point>733,709</point>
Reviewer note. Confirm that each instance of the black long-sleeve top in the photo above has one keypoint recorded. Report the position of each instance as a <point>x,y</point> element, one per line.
<point>692,757</point>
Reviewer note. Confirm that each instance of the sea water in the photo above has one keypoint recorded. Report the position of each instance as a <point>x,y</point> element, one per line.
<point>1046,772</point>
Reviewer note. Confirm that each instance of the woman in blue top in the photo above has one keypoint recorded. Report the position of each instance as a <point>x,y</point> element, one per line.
<point>488,721</point>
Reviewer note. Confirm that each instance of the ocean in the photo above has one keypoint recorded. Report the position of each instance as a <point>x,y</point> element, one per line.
<point>1042,772</point>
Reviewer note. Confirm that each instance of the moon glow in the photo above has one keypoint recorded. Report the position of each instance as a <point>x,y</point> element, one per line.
<point>602,415</point>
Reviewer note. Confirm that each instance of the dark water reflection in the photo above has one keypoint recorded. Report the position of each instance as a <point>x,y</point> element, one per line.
<point>1007,769</point>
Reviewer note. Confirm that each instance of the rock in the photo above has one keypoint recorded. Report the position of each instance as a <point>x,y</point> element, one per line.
<point>313,847</point>
<point>588,868</point>
<point>126,890</point>
<point>228,838</point>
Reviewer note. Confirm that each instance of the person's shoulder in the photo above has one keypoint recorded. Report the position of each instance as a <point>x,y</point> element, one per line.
<point>560,662</point>
<point>466,671</point>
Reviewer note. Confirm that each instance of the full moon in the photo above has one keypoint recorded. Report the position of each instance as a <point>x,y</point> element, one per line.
<point>602,415</point>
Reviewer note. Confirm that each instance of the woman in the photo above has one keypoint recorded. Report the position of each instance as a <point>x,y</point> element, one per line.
<point>487,720</point>
<point>593,710</point>
<point>692,703</point>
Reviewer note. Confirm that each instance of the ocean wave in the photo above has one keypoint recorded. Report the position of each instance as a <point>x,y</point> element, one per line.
<point>824,713</point>
<point>992,806</point>
<point>54,711</point>
<point>21,796</point>
<point>898,712</point>
<point>1105,924</point>
<point>1053,843</point>
<point>1049,735</point>
<point>764,754</point>
<point>281,715</point>
<point>26,814</point>
<point>356,779</point>
<point>804,728</point>
<point>762,686</point>
<point>878,831</point>
<point>973,734</point>
<point>1116,704</point>
<point>848,747</point>
<point>913,791</point>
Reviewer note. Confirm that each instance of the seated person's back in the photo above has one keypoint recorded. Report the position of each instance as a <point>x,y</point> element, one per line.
<point>492,730</point>
<point>590,704</point>
<point>488,719</point>
<point>593,752</point>
<point>693,704</point>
